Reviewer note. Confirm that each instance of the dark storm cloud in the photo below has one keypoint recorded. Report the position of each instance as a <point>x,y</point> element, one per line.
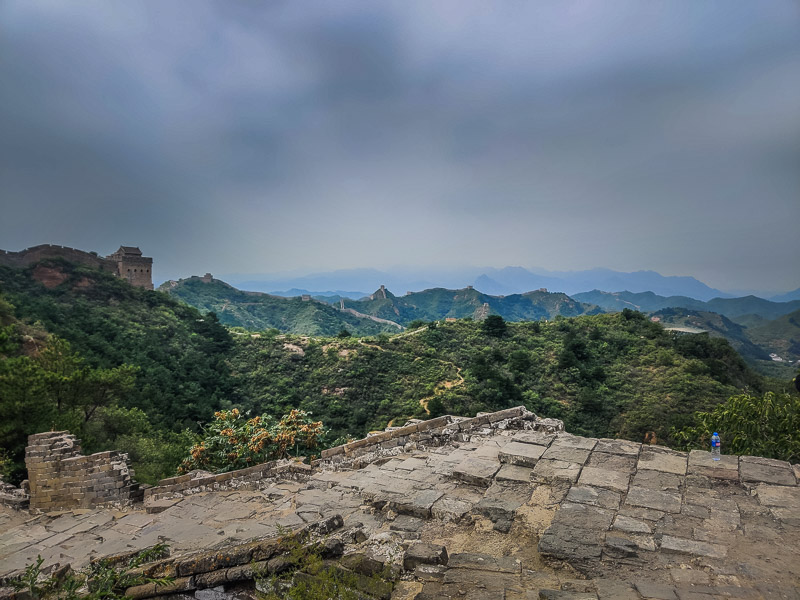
<point>250,136</point>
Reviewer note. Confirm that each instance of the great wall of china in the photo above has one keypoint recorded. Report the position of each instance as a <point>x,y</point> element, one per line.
<point>127,262</point>
<point>504,505</point>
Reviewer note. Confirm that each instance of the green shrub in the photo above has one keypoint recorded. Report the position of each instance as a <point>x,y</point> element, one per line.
<point>233,441</point>
<point>767,425</point>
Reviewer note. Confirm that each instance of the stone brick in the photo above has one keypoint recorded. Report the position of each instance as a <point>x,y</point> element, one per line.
<point>422,553</point>
<point>518,453</point>
<point>693,547</point>
<point>476,471</point>
<point>598,477</point>
<point>661,501</point>
<point>663,460</point>
<point>754,469</point>
<point>548,470</point>
<point>701,463</point>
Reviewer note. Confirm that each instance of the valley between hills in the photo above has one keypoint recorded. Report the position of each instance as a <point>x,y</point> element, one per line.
<point>145,371</point>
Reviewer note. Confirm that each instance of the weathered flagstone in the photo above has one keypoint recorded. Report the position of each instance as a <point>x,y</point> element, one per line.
<point>754,469</point>
<point>778,496</point>
<point>618,447</point>
<point>701,463</point>
<point>598,477</point>
<point>657,480</point>
<point>514,473</point>
<point>567,440</point>
<point>534,437</point>
<point>626,514</point>
<point>631,525</point>
<point>476,471</point>
<point>548,470</point>
<point>612,462</point>
<point>663,460</point>
<point>655,591</point>
<point>450,509</point>
<point>485,562</point>
<point>568,448</point>
<point>638,496</point>
<point>684,546</point>
<point>524,455</point>
<point>594,497</point>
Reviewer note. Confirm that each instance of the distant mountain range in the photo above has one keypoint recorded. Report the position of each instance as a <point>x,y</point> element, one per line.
<point>379,312</point>
<point>441,303</point>
<point>492,281</point>
<point>733,308</point>
<point>787,297</point>
<point>258,311</point>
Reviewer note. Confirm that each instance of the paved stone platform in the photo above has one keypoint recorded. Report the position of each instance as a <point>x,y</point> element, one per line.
<point>509,513</point>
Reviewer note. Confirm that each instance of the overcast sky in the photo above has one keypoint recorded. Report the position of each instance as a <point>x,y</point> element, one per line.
<point>274,136</point>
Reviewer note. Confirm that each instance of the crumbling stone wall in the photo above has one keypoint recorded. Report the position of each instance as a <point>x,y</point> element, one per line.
<point>127,262</point>
<point>432,433</point>
<point>35,254</point>
<point>248,478</point>
<point>60,477</point>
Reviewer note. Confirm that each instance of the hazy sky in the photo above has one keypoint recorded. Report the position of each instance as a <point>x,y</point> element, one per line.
<point>272,136</point>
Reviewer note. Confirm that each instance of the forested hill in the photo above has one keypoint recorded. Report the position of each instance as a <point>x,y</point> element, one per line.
<point>729,307</point>
<point>440,303</point>
<point>605,375</point>
<point>716,326</point>
<point>257,311</point>
<point>129,368</point>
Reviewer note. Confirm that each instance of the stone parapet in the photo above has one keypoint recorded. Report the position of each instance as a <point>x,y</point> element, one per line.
<point>60,477</point>
<point>203,481</point>
<point>435,432</point>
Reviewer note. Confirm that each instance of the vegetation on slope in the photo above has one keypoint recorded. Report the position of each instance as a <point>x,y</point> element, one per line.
<point>605,375</point>
<point>648,302</point>
<point>716,325</point>
<point>119,366</point>
<point>440,303</point>
<point>767,425</point>
<point>256,311</point>
<point>154,367</point>
<point>781,336</point>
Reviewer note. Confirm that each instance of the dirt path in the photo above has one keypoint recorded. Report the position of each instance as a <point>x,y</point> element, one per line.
<point>445,385</point>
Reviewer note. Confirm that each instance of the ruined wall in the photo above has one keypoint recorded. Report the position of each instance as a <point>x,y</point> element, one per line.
<point>203,481</point>
<point>136,269</point>
<point>34,254</point>
<point>432,433</point>
<point>60,477</point>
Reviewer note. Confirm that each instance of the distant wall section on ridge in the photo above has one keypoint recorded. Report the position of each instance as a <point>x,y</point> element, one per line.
<point>127,262</point>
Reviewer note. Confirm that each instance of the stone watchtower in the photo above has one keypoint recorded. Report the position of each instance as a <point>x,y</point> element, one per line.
<point>133,267</point>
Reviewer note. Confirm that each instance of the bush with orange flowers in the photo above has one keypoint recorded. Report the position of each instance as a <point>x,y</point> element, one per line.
<point>233,440</point>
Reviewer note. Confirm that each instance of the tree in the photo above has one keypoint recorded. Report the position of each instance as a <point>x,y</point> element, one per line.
<point>766,426</point>
<point>343,334</point>
<point>495,326</point>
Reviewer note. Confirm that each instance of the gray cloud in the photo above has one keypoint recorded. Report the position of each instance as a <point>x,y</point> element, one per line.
<point>248,136</point>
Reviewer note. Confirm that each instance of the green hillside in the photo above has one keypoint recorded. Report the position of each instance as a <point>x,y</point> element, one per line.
<point>781,336</point>
<point>649,302</point>
<point>439,303</point>
<point>257,311</point>
<point>149,365</point>
<point>605,375</point>
<point>716,326</point>
<point>132,369</point>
